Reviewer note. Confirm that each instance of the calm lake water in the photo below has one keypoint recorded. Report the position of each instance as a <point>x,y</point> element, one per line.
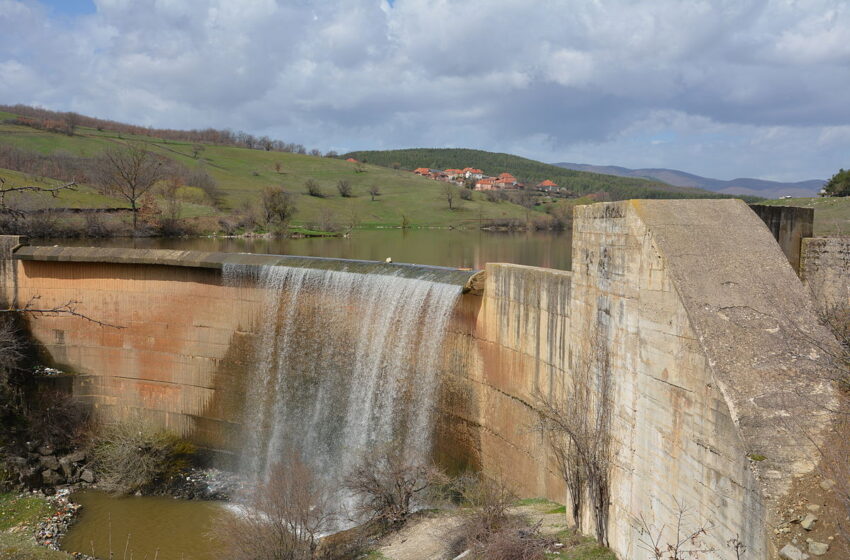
<point>177,529</point>
<point>455,248</point>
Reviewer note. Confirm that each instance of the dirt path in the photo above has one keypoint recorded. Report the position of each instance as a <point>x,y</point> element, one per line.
<point>430,537</point>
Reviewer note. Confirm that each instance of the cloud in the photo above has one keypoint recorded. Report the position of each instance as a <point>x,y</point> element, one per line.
<point>553,80</point>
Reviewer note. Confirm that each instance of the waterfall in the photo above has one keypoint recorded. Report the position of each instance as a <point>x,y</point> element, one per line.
<point>344,363</point>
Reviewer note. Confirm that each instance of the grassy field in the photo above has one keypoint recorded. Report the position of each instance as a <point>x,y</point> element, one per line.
<point>242,174</point>
<point>832,214</point>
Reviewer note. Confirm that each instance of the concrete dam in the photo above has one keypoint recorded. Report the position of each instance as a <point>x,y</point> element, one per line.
<point>688,313</point>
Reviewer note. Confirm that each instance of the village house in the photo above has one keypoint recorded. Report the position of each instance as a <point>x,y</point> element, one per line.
<point>472,173</point>
<point>547,186</point>
<point>488,184</point>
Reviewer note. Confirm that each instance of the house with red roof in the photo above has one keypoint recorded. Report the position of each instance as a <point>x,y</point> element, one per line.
<point>352,160</point>
<point>488,184</point>
<point>424,171</point>
<point>472,173</point>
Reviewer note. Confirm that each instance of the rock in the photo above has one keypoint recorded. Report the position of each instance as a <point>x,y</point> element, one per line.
<point>46,449</point>
<point>51,477</point>
<point>827,484</point>
<point>16,463</point>
<point>818,548</point>
<point>791,552</point>
<point>67,468</point>
<point>31,478</point>
<point>76,457</point>
<point>49,462</point>
<point>814,508</point>
<point>808,522</point>
<point>87,476</point>
<point>32,445</point>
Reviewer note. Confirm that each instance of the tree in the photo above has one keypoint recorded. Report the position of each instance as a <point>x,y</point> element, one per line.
<point>449,192</point>
<point>128,173</point>
<point>72,120</point>
<point>344,188</point>
<point>838,184</point>
<point>374,191</point>
<point>278,206</point>
<point>197,149</point>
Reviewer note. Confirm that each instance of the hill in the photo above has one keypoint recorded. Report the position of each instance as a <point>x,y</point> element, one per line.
<point>529,171</point>
<point>743,186</point>
<point>241,174</point>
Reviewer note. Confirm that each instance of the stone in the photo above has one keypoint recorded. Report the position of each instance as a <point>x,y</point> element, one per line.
<point>46,449</point>
<point>87,476</point>
<point>76,457</point>
<point>827,484</point>
<point>791,552</point>
<point>16,463</point>
<point>814,508</point>
<point>808,522</point>
<point>49,462</point>
<point>32,445</point>
<point>51,477</point>
<point>67,467</point>
<point>818,548</point>
<point>31,478</point>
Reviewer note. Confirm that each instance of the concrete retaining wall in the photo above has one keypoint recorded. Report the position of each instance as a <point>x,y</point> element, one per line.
<point>789,226</point>
<point>825,269</point>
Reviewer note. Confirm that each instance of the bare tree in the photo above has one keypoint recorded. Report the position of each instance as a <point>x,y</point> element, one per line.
<point>197,149</point>
<point>684,542</point>
<point>359,167</point>
<point>449,192</point>
<point>344,188</point>
<point>5,190</point>
<point>283,518</point>
<point>128,173</point>
<point>577,424</point>
<point>72,120</point>
<point>374,191</point>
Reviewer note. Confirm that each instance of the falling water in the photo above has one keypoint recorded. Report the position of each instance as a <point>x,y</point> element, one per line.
<point>345,362</point>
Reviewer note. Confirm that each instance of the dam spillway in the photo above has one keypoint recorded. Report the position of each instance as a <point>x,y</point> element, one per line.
<point>345,363</point>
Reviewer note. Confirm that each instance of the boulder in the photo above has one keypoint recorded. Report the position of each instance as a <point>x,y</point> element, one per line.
<point>46,449</point>
<point>818,548</point>
<point>87,476</point>
<point>76,457</point>
<point>16,463</point>
<point>49,462</point>
<point>31,478</point>
<point>32,445</point>
<point>791,552</point>
<point>67,468</point>
<point>51,477</point>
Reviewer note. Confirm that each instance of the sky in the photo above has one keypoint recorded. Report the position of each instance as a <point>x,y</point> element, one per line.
<point>723,88</point>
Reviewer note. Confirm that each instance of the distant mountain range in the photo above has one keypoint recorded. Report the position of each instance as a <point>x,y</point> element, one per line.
<point>755,187</point>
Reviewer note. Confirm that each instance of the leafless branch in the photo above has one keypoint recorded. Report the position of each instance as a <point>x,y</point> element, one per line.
<point>68,308</point>
<point>53,191</point>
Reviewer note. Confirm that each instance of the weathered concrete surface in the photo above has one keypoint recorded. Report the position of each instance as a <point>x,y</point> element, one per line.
<point>825,269</point>
<point>789,226</point>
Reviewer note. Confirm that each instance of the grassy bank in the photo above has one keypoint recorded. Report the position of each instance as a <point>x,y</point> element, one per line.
<point>832,214</point>
<point>19,518</point>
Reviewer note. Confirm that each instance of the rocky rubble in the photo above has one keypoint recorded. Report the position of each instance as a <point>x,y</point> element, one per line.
<point>41,467</point>
<point>206,484</point>
<point>51,529</point>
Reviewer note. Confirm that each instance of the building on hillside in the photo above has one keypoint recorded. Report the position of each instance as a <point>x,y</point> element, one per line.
<point>424,171</point>
<point>472,173</point>
<point>547,186</point>
<point>352,160</point>
<point>454,173</point>
<point>487,184</point>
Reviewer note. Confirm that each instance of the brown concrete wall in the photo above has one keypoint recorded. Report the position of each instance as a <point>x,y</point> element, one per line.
<point>825,269</point>
<point>789,226</point>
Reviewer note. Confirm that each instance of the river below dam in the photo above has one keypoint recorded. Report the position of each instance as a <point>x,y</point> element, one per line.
<point>438,247</point>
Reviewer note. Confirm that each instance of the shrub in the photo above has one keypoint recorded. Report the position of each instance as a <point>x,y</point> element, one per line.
<point>313,188</point>
<point>282,519</point>
<point>344,188</point>
<point>135,457</point>
<point>388,486</point>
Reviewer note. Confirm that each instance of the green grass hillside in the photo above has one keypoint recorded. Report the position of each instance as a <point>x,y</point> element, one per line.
<point>832,214</point>
<point>242,174</point>
<point>531,172</point>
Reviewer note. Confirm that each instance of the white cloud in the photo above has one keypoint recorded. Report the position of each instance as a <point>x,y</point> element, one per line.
<point>726,87</point>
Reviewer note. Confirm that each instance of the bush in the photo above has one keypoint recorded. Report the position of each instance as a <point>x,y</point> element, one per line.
<point>313,188</point>
<point>282,519</point>
<point>389,487</point>
<point>344,188</point>
<point>134,457</point>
